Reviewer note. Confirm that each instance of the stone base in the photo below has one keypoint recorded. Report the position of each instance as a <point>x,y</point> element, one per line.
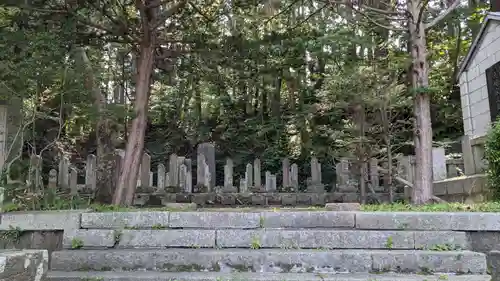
<point>25,265</point>
<point>255,199</point>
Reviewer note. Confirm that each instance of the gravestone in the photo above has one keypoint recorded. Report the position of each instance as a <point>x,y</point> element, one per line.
<point>286,172</point>
<point>208,151</point>
<point>161,177</point>
<point>249,175</point>
<point>438,164</point>
<point>228,173</point>
<point>294,176</point>
<point>173,170</point>
<point>257,173</point>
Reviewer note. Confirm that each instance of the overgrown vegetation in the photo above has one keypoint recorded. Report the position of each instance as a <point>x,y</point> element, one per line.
<point>268,80</point>
<point>492,155</point>
<point>448,207</point>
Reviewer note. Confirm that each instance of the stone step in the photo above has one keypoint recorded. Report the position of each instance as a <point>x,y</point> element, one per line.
<point>213,276</point>
<point>270,260</point>
<point>266,238</point>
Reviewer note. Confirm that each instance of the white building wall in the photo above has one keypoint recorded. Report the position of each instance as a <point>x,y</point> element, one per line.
<point>473,87</point>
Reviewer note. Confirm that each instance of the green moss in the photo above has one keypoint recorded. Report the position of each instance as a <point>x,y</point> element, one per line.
<point>444,247</point>
<point>13,234</point>
<point>158,227</point>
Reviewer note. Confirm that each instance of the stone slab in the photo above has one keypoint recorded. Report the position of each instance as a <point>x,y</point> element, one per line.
<point>214,220</point>
<point>217,276</point>
<point>439,240</point>
<point>23,265</point>
<point>43,220</point>
<point>403,220</point>
<point>475,221</point>
<point>494,264</point>
<point>312,219</point>
<point>167,238</point>
<point>470,221</point>
<point>342,207</point>
<point>263,260</point>
<point>89,238</point>
<point>113,220</point>
<point>463,262</point>
<point>316,239</point>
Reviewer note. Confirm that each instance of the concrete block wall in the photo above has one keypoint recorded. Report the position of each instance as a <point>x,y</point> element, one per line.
<point>24,265</point>
<point>473,86</point>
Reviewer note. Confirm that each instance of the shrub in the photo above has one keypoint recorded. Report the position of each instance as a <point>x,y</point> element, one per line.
<point>492,155</point>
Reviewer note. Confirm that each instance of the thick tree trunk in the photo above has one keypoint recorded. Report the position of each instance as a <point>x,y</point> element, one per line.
<point>104,135</point>
<point>422,192</point>
<point>127,182</point>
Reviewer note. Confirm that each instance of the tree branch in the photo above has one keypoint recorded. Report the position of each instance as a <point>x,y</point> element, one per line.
<point>422,9</point>
<point>443,15</point>
<point>168,13</point>
<point>389,27</point>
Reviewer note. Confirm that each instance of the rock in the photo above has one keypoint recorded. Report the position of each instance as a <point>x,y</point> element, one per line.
<point>343,207</point>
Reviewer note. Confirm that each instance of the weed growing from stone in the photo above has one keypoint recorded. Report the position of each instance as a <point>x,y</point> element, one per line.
<point>13,234</point>
<point>158,227</point>
<point>255,243</point>
<point>76,243</point>
<point>444,247</point>
<point>117,236</point>
<point>389,243</point>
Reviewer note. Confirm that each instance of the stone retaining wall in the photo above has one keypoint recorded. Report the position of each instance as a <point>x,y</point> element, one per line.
<point>408,230</point>
<point>25,265</point>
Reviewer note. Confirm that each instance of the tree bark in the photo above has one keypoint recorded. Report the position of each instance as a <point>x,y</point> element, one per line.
<point>422,193</point>
<point>127,182</point>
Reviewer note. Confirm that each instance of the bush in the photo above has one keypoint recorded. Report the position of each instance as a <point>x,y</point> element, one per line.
<point>492,155</point>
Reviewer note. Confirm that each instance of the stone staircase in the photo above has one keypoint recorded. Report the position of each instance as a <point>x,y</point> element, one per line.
<point>260,246</point>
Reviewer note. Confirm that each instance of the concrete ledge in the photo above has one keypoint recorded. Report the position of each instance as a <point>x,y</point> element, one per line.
<point>313,219</point>
<point>217,276</point>
<point>214,220</point>
<point>73,220</point>
<point>25,265</point>
<point>143,219</point>
<point>43,220</point>
<point>341,239</point>
<point>89,238</point>
<point>167,238</point>
<point>313,261</point>
<point>428,221</point>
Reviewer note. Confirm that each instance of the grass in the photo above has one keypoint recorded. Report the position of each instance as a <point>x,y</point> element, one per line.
<point>447,207</point>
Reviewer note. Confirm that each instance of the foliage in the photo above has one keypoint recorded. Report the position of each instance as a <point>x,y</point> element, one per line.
<point>492,155</point>
<point>442,207</point>
<point>258,83</point>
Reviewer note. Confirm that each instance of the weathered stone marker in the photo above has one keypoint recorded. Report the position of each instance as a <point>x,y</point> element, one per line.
<point>208,151</point>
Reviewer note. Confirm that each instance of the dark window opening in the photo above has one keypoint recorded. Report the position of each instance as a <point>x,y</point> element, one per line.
<point>493,82</point>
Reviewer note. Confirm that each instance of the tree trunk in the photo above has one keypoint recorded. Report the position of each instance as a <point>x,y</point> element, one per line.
<point>127,182</point>
<point>422,192</point>
<point>104,135</point>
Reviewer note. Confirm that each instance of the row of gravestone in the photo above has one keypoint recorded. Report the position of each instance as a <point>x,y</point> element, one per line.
<point>179,177</point>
